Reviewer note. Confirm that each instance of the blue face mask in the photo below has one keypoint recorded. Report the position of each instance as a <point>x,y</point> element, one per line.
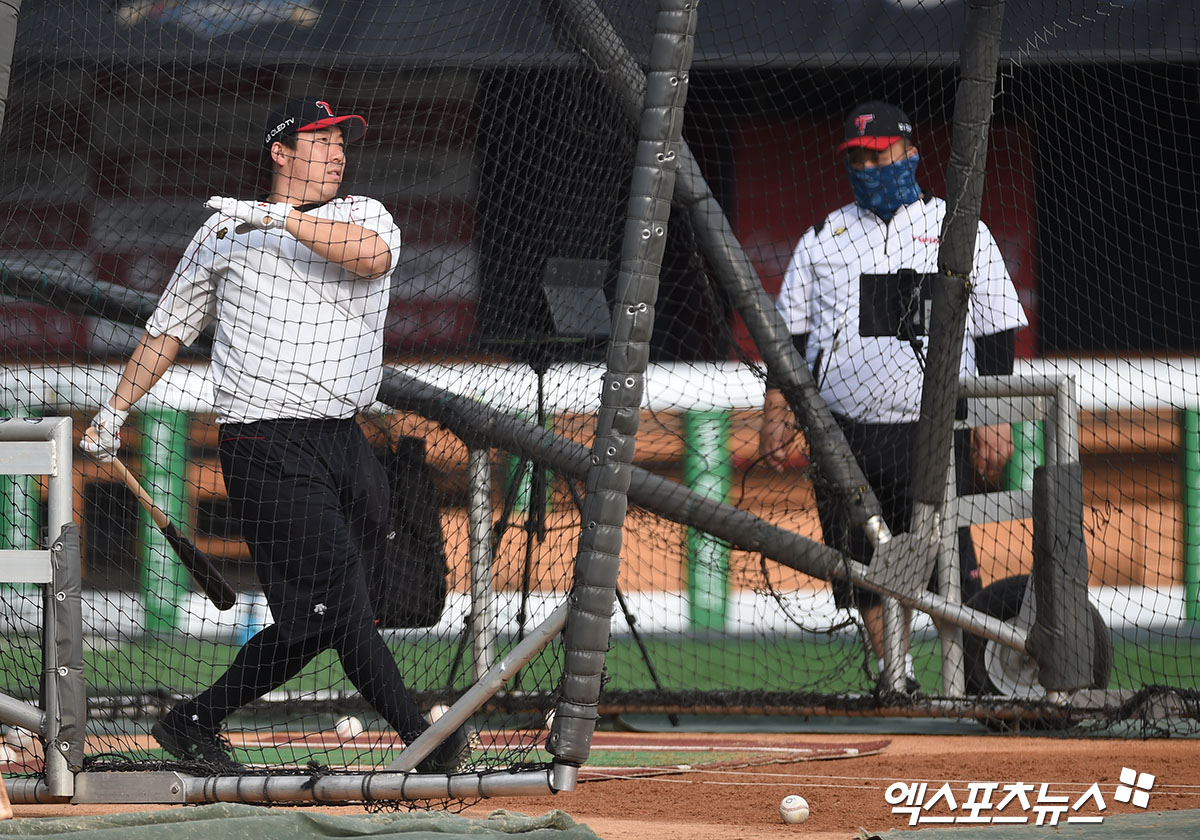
<point>885,189</point>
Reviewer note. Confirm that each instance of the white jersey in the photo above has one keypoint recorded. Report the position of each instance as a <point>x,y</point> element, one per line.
<point>874,379</point>
<point>297,337</point>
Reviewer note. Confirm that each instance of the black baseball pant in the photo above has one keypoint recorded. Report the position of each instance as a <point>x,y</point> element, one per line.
<point>313,502</point>
<point>887,454</point>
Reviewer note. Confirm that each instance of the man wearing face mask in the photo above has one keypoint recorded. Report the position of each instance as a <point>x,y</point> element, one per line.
<point>856,299</point>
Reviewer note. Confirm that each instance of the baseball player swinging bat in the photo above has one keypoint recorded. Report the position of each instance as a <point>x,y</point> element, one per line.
<point>211,582</point>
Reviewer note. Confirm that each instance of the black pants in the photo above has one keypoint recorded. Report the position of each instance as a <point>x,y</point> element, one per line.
<point>313,502</point>
<point>886,453</point>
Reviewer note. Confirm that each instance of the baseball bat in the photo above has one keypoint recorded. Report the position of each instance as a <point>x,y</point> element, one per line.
<point>211,582</point>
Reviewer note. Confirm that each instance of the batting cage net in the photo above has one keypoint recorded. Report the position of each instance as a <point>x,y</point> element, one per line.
<point>503,140</point>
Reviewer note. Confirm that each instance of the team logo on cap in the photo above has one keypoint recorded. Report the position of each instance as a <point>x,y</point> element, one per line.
<point>862,121</point>
<point>321,103</point>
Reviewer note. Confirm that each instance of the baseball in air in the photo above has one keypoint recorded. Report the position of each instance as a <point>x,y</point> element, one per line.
<point>349,727</point>
<point>436,711</point>
<point>793,809</point>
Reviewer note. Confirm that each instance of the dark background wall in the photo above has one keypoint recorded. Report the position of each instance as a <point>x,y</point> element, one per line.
<point>495,155</point>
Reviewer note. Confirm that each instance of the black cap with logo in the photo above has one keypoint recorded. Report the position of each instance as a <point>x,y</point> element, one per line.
<point>876,125</point>
<point>309,115</point>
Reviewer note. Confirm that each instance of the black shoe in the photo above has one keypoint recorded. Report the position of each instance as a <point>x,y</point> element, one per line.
<point>192,743</point>
<point>450,754</point>
<point>911,690</point>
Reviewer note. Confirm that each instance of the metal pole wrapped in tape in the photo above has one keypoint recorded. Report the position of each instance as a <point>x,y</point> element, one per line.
<point>599,554</point>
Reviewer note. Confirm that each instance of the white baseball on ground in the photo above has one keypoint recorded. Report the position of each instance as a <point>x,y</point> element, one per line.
<point>349,727</point>
<point>793,809</point>
<point>436,711</point>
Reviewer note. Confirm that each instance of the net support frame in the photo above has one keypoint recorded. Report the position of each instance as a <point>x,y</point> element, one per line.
<point>42,446</point>
<point>598,557</point>
<point>737,276</point>
<point>910,559</point>
<point>479,425</point>
<point>483,636</point>
<point>171,787</point>
<point>478,694</point>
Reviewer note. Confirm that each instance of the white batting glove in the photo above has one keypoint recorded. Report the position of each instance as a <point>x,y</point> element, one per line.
<point>102,439</point>
<point>257,214</point>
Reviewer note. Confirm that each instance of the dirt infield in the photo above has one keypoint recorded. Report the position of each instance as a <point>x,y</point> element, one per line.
<point>848,793</point>
<point>845,793</point>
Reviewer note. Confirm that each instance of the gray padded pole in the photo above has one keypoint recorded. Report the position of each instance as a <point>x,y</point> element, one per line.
<point>10,12</point>
<point>594,34</point>
<point>586,636</point>
<point>1062,638</point>
<point>908,565</point>
<point>66,690</point>
<point>956,256</point>
<point>478,425</point>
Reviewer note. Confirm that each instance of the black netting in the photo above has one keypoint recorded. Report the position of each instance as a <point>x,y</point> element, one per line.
<point>502,146</point>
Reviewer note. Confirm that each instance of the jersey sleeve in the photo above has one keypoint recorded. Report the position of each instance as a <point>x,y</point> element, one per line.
<point>995,306</point>
<point>189,302</point>
<point>794,295</point>
<point>372,215</point>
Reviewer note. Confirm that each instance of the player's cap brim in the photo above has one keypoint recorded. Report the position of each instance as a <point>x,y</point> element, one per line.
<point>352,130</point>
<point>875,144</point>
